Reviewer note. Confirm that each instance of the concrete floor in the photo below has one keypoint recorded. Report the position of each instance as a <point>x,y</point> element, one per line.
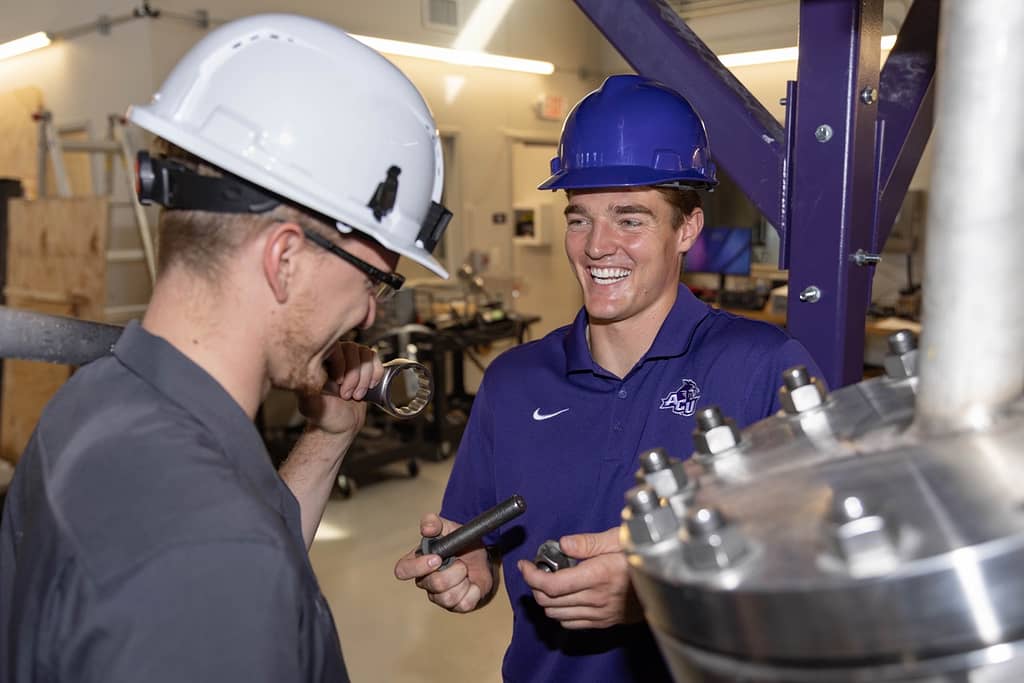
<point>388,629</point>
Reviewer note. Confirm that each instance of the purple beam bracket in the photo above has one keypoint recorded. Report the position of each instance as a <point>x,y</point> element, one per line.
<point>745,139</point>
<point>832,175</point>
<point>905,112</point>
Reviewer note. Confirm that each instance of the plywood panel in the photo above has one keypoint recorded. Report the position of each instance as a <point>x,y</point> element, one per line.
<point>56,264</point>
<point>57,252</point>
<point>18,137</point>
<point>77,165</point>
<point>28,387</point>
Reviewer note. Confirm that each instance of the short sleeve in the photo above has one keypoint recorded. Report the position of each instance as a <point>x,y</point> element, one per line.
<point>471,486</point>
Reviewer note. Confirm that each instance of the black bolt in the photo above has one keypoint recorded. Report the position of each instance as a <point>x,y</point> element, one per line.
<point>475,529</point>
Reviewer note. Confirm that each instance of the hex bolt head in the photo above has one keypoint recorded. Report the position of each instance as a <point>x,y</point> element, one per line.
<point>823,133</point>
<point>666,475</point>
<point>868,95</point>
<point>901,361</point>
<point>713,543</point>
<point>714,433</point>
<point>800,392</point>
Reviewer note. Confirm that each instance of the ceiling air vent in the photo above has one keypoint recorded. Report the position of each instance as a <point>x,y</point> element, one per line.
<point>441,14</point>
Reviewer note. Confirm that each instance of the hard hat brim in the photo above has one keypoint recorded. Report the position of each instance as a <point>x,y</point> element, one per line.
<point>622,176</point>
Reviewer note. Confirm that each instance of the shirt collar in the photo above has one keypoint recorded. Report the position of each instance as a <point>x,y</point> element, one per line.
<point>174,375</point>
<point>673,338</point>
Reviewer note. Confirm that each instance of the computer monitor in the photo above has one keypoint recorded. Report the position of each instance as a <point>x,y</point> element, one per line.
<point>724,251</point>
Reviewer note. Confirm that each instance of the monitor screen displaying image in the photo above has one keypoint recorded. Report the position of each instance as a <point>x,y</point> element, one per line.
<point>725,251</point>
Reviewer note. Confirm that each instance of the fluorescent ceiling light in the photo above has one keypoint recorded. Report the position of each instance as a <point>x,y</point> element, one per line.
<point>20,46</point>
<point>782,54</point>
<point>460,57</point>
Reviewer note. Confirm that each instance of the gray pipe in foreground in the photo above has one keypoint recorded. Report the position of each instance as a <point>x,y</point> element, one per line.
<point>972,349</point>
<point>53,338</point>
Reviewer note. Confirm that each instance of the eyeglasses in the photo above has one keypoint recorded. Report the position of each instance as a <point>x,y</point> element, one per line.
<point>385,284</point>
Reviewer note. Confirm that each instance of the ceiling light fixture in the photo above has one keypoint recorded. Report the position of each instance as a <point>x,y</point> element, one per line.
<point>782,54</point>
<point>458,57</point>
<point>19,46</point>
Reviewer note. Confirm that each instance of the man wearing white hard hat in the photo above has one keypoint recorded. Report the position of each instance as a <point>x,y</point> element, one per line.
<point>146,536</point>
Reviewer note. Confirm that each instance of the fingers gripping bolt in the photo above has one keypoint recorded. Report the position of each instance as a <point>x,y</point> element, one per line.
<point>550,557</point>
<point>472,531</point>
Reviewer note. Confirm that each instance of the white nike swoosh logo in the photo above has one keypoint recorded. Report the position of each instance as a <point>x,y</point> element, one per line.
<point>539,416</point>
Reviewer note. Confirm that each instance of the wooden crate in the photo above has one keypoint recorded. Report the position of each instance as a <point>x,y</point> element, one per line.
<point>56,263</point>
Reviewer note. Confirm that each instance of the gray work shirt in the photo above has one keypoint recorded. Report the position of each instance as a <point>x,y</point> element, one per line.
<point>147,537</point>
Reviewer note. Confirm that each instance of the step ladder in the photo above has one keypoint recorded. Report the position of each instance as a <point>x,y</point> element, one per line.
<point>116,151</point>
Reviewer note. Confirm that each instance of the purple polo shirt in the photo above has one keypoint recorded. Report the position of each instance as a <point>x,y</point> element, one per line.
<point>550,424</point>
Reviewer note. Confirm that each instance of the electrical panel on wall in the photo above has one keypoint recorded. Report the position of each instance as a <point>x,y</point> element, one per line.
<point>533,224</point>
<point>442,15</point>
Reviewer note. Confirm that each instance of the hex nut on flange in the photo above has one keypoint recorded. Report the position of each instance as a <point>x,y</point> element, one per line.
<point>648,522</point>
<point>665,474</point>
<point>800,392</point>
<point>901,361</point>
<point>717,439</point>
<point>713,542</point>
<point>865,541</point>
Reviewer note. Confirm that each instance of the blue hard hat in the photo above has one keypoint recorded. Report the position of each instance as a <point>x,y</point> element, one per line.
<point>632,131</point>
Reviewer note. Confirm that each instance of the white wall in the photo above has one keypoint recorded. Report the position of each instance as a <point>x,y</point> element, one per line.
<point>90,76</point>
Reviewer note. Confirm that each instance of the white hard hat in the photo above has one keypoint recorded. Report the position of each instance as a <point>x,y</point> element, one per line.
<point>300,108</point>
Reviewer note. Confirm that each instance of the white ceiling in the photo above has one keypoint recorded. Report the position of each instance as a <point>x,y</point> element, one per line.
<point>741,25</point>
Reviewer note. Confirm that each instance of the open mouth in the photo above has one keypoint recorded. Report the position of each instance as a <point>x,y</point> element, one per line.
<point>608,276</point>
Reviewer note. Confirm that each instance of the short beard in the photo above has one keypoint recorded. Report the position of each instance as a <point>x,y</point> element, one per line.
<point>295,342</point>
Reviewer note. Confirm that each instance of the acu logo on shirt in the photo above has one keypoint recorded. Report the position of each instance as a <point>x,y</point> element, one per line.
<point>682,401</point>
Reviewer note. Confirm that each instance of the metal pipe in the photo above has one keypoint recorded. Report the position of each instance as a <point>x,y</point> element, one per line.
<point>972,349</point>
<point>53,338</point>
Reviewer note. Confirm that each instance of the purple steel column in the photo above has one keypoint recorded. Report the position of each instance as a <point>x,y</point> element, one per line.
<point>745,139</point>
<point>906,96</point>
<point>833,181</point>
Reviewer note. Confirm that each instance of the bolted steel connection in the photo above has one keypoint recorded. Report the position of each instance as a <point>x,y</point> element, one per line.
<point>665,474</point>
<point>646,520</point>
<point>901,361</point>
<point>713,542</point>
<point>714,433</point>
<point>862,539</point>
<point>800,392</point>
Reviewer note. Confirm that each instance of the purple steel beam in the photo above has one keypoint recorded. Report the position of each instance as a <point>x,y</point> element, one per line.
<point>832,174</point>
<point>746,140</point>
<point>906,95</point>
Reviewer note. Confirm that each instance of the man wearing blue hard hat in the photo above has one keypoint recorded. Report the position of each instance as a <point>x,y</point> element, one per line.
<point>561,420</point>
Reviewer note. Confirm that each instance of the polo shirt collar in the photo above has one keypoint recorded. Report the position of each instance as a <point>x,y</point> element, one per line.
<point>174,375</point>
<point>673,338</point>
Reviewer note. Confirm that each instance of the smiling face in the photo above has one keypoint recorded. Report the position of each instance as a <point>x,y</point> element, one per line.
<point>625,250</point>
